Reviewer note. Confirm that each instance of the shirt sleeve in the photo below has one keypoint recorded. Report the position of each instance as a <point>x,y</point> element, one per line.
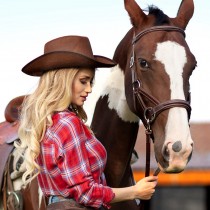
<point>75,168</point>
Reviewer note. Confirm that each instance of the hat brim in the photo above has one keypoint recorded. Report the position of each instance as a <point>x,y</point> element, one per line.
<point>62,59</point>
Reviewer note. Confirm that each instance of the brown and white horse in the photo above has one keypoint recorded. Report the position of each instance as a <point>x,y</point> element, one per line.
<point>150,82</point>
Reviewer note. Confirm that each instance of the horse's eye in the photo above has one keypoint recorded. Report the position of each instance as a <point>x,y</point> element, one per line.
<point>143,63</point>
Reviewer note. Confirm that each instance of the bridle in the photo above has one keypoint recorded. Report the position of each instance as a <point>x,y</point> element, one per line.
<point>151,113</point>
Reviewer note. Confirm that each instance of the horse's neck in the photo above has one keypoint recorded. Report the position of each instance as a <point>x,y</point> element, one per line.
<point>115,126</point>
<point>113,92</point>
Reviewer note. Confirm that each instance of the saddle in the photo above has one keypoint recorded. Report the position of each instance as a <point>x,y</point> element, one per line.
<point>9,132</point>
<point>15,196</point>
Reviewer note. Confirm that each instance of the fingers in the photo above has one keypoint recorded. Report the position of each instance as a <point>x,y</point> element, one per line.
<point>150,183</point>
<point>146,187</point>
<point>151,178</point>
<point>148,195</point>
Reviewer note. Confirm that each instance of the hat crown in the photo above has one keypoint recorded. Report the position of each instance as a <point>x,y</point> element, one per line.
<point>66,52</point>
<point>76,44</point>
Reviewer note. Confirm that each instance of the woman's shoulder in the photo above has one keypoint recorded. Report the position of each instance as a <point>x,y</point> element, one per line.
<point>66,118</point>
<point>65,124</point>
<point>57,116</point>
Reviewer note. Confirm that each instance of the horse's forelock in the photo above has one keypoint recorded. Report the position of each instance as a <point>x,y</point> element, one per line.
<point>160,17</point>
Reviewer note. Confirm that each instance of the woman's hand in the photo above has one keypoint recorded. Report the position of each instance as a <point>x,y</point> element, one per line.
<point>145,187</point>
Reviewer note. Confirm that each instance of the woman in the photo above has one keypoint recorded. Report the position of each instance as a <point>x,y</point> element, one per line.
<point>60,148</point>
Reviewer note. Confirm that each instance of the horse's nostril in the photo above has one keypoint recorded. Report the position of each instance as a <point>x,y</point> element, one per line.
<point>177,146</point>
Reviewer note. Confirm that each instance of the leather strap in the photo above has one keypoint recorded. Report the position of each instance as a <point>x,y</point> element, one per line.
<point>157,28</point>
<point>12,200</point>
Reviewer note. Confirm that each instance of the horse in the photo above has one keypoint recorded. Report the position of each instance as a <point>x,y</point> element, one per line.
<point>150,83</point>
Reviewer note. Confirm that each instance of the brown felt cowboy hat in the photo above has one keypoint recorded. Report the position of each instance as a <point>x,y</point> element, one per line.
<point>66,52</point>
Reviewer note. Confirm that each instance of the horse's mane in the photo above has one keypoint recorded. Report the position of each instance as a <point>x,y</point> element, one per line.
<point>160,17</point>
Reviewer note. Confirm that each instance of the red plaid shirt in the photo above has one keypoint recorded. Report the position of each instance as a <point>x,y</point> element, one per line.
<point>72,162</point>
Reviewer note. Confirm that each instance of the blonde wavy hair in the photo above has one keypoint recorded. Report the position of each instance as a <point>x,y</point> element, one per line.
<point>53,94</point>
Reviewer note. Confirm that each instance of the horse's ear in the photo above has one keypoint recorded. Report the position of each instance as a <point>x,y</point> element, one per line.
<point>136,14</point>
<point>184,14</point>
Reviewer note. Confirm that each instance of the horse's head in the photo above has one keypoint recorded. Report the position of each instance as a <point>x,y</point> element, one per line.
<point>158,68</point>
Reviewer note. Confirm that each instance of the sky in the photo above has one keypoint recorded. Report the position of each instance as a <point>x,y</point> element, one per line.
<point>27,25</point>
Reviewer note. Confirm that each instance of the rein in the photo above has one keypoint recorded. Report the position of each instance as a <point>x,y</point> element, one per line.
<point>151,113</point>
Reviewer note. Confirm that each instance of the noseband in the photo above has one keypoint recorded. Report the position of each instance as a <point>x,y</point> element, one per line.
<point>151,113</point>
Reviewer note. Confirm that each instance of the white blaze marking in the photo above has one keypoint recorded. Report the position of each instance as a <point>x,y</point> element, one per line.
<point>173,57</point>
